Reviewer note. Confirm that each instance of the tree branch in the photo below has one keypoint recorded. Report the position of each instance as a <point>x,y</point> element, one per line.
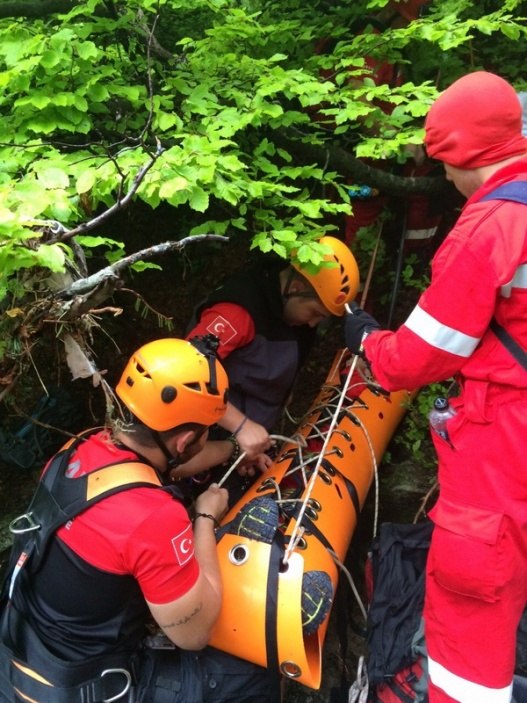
<point>111,273</point>
<point>338,159</point>
<point>66,235</point>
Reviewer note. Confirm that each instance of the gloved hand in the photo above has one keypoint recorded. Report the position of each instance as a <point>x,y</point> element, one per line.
<point>357,325</point>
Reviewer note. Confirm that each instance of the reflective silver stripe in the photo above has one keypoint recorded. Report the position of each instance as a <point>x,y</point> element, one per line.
<point>440,336</point>
<point>465,691</point>
<point>519,280</point>
<point>420,233</point>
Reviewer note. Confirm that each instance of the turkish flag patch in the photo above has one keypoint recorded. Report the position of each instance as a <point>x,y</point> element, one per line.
<point>222,328</point>
<point>184,545</point>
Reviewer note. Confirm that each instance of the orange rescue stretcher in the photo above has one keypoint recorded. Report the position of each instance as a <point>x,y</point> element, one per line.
<point>261,617</point>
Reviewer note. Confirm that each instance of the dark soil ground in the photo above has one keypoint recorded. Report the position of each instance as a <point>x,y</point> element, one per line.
<point>172,294</point>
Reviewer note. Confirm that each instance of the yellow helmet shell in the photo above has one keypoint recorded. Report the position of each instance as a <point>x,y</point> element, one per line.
<point>167,383</point>
<point>335,285</point>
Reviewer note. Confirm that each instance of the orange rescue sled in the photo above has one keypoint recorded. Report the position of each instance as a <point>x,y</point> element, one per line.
<point>261,617</point>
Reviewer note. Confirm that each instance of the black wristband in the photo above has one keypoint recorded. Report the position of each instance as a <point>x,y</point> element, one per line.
<point>210,517</point>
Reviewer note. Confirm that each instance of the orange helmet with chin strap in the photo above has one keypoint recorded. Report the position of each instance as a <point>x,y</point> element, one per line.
<point>335,285</point>
<point>409,9</point>
<point>170,382</point>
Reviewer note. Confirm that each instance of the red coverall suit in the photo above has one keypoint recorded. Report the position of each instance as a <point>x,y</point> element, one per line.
<point>476,585</point>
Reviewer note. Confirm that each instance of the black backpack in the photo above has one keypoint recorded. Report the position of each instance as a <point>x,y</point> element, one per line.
<point>397,664</point>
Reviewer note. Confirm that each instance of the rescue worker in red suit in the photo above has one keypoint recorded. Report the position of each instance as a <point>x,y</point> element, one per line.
<point>266,319</point>
<point>72,628</point>
<point>476,587</point>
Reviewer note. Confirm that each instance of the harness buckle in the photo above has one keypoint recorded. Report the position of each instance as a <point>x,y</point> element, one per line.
<point>127,686</point>
<point>30,526</point>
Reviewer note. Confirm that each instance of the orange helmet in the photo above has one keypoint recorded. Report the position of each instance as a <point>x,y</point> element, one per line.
<point>409,9</point>
<point>335,285</point>
<point>170,382</point>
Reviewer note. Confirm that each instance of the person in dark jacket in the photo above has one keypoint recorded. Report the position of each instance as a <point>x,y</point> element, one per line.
<point>266,319</point>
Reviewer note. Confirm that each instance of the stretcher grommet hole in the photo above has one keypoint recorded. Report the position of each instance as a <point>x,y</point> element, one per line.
<point>325,478</point>
<point>267,484</point>
<point>238,555</point>
<point>313,502</point>
<point>338,452</point>
<point>301,544</point>
<point>290,669</point>
<point>311,513</point>
<point>287,455</point>
<point>283,568</point>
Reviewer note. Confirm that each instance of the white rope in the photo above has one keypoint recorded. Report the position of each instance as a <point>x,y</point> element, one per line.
<point>231,469</point>
<point>294,540</point>
<point>299,441</point>
<point>351,583</point>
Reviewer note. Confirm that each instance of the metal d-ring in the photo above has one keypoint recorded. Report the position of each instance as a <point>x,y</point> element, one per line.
<point>31,525</point>
<point>127,683</point>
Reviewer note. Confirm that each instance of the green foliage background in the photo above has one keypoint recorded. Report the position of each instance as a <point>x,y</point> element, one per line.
<point>215,100</point>
<point>86,95</point>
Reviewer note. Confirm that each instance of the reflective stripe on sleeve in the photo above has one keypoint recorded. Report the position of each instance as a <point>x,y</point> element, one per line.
<point>465,691</point>
<point>440,336</point>
<point>519,280</point>
<point>420,233</point>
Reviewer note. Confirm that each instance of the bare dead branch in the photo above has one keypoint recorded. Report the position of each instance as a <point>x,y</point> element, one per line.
<point>121,203</point>
<point>147,305</point>
<point>84,285</point>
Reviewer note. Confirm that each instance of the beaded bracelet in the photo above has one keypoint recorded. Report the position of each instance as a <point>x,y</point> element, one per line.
<point>242,423</point>
<point>210,517</point>
<point>235,449</point>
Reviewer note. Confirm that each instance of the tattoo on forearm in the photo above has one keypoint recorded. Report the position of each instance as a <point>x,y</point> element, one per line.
<point>183,620</point>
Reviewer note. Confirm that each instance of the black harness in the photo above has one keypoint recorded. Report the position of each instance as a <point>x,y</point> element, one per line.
<point>26,665</point>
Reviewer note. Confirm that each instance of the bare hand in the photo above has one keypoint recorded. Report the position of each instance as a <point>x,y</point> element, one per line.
<point>253,439</point>
<point>260,463</point>
<point>214,501</point>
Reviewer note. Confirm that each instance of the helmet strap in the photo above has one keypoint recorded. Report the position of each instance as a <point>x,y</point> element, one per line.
<point>172,461</point>
<point>208,346</point>
<point>286,295</point>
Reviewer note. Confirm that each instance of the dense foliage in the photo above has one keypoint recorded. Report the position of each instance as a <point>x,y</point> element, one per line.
<point>224,109</point>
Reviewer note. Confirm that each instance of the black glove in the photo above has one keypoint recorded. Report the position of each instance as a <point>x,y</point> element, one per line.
<point>356,325</point>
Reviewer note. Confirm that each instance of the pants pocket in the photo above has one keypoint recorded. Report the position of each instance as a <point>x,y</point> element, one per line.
<point>465,552</point>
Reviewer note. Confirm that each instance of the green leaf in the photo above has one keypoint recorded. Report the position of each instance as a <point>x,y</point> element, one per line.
<point>97,92</point>
<point>171,186</point>
<point>87,50</point>
<point>53,178</point>
<point>165,120</point>
<point>51,256</point>
<point>86,181</point>
<point>142,265</point>
<point>50,59</point>
<point>280,250</point>
<point>199,199</point>
<point>310,209</point>
<point>90,241</point>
